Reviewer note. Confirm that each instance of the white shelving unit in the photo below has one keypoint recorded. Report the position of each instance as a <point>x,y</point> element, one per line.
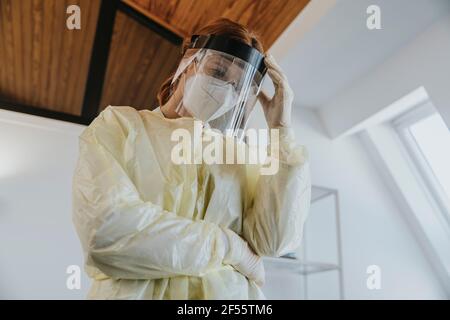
<point>301,265</point>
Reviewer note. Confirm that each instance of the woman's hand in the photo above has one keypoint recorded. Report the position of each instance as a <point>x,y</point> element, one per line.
<point>242,258</point>
<point>277,109</point>
<point>251,266</point>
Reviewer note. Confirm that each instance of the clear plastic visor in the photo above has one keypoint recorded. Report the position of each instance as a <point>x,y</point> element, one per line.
<point>217,88</point>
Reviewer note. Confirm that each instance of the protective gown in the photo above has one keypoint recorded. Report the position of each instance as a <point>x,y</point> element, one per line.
<point>151,229</point>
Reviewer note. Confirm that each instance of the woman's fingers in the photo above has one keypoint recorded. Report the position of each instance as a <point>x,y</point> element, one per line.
<point>281,85</point>
<point>255,268</point>
<point>274,70</point>
<point>264,99</point>
<point>259,274</point>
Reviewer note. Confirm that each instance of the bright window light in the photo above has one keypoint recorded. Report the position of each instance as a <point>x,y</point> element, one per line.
<point>433,138</point>
<point>427,140</point>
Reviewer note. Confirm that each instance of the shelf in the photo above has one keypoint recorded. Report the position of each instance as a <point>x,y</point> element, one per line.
<point>318,193</point>
<point>297,266</point>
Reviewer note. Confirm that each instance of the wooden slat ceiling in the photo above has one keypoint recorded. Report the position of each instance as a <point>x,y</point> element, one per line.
<point>42,63</point>
<point>139,62</point>
<point>268,18</point>
<point>48,70</point>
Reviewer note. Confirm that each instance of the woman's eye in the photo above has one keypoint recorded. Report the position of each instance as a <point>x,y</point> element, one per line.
<point>220,73</point>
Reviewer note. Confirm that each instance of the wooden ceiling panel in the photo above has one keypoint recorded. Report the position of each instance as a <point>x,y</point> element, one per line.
<point>140,60</point>
<point>42,63</point>
<point>268,18</point>
<point>123,52</point>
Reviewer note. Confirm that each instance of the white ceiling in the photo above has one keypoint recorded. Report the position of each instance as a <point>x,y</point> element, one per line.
<point>339,48</point>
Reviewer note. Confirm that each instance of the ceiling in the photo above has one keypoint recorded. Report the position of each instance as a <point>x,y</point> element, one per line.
<point>339,49</point>
<point>40,65</point>
<point>267,18</point>
<point>120,56</point>
<point>139,61</point>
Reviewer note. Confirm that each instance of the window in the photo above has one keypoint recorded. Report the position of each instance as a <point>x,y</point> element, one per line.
<point>427,140</point>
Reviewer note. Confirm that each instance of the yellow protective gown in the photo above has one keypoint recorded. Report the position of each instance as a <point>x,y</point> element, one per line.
<point>151,229</point>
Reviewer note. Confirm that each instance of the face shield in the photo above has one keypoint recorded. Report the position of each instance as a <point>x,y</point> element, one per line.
<point>220,79</point>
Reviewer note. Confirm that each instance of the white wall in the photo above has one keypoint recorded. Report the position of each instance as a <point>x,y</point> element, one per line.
<point>37,239</point>
<point>423,62</point>
<point>329,48</point>
<point>373,229</point>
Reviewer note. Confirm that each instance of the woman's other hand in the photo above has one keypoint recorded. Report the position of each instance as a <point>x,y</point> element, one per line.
<point>277,109</point>
<point>243,259</point>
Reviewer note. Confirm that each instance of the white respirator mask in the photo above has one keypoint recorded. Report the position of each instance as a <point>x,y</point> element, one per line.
<point>207,98</point>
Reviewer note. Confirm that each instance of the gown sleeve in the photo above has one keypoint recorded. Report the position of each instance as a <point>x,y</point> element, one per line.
<point>124,236</point>
<point>273,223</point>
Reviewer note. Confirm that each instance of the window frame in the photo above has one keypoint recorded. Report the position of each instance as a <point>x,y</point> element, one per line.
<point>421,168</point>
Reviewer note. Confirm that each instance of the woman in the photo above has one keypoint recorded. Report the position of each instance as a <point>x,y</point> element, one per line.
<point>153,229</point>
